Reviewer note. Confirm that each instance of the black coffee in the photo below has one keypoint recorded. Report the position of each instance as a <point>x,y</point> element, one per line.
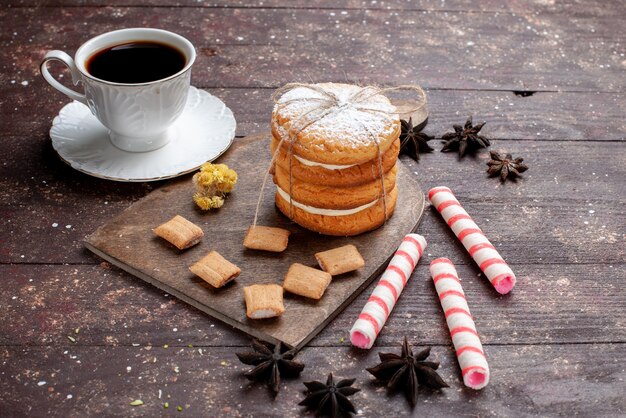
<point>136,62</point>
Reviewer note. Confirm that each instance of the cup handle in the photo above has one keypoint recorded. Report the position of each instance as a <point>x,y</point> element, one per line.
<point>76,77</point>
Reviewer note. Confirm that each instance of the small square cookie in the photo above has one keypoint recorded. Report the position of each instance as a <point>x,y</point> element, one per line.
<point>266,238</point>
<point>180,232</point>
<point>215,269</point>
<point>306,281</point>
<point>263,301</point>
<point>340,260</point>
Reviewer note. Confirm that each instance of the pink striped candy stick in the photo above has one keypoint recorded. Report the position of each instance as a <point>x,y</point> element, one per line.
<point>469,350</point>
<point>484,254</point>
<point>387,291</point>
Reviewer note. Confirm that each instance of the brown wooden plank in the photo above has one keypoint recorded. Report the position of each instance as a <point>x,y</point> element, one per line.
<point>558,303</point>
<point>566,181</point>
<point>264,48</point>
<point>50,302</point>
<point>526,380</point>
<point>545,116</point>
<point>128,242</point>
<point>572,7</point>
<point>570,260</point>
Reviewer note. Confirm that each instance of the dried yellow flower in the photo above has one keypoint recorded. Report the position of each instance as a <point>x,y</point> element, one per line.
<point>213,182</point>
<point>208,202</point>
<point>219,176</point>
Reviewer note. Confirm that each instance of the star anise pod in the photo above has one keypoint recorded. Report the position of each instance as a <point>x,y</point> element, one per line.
<point>505,166</point>
<point>272,362</point>
<point>412,140</point>
<point>408,371</point>
<point>465,138</point>
<point>330,399</point>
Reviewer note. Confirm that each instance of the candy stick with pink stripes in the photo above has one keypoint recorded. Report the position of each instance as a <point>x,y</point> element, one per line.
<point>469,350</point>
<point>387,291</point>
<point>480,249</point>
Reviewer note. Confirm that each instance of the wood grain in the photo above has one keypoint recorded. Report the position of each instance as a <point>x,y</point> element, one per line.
<point>128,242</point>
<point>572,7</point>
<point>552,304</point>
<point>526,380</point>
<point>562,227</point>
<point>264,48</point>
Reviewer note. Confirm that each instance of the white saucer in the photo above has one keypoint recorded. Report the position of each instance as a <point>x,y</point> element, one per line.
<point>202,133</point>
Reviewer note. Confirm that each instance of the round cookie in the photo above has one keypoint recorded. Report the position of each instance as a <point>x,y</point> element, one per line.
<point>351,176</point>
<point>346,225</point>
<point>344,134</point>
<point>330,197</point>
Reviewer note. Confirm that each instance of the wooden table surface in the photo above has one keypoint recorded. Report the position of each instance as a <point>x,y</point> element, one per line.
<point>547,76</point>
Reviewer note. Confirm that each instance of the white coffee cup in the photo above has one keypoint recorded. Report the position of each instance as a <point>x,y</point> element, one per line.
<point>137,115</point>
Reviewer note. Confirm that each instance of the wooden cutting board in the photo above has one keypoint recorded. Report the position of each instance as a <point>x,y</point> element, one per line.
<point>128,242</point>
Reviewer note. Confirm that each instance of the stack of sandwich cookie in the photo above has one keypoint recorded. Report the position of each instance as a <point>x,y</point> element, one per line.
<point>333,162</point>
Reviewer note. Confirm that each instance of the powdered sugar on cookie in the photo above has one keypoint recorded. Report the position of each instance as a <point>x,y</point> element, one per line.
<point>348,122</point>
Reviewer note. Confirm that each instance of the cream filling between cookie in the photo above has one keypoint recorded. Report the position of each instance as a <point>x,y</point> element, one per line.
<point>326,166</point>
<point>326,212</point>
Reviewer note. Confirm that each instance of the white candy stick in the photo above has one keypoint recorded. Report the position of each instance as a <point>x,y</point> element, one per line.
<point>480,249</point>
<point>387,291</point>
<point>469,350</point>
